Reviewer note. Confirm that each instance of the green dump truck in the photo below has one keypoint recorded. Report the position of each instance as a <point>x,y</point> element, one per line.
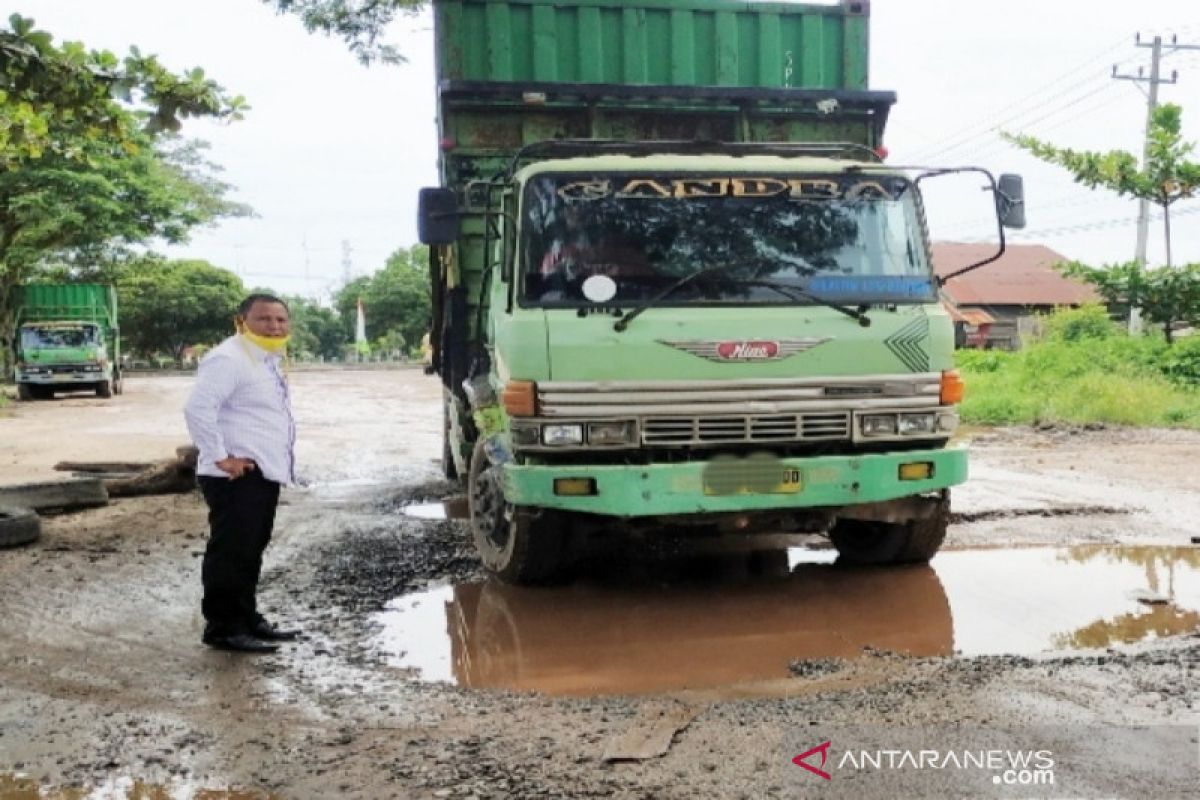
<point>676,285</point>
<point>67,340</point>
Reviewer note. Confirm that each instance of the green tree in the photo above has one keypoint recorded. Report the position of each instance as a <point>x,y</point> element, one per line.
<point>1166,178</point>
<point>316,330</point>
<point>168,306</point>
<point>1166,295</point>
<point>396,298</point>
<point>359,24</point>
<point>88,159</point>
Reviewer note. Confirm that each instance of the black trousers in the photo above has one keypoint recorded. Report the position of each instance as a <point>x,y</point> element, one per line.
<point>241,514</point>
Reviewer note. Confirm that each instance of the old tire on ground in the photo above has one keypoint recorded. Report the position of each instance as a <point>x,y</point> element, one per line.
<point>915,541</point>
<point>56,495</point>
<point>18,526</point>
<point>104,389</point>
<point>516,544</point>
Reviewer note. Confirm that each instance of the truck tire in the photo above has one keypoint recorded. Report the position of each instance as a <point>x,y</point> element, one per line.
<point>25,392</point>
<point>56,495</point>
<point>18,526</point>
<point>915,541</point>
<point>104,389</point>
<point>516,544</point>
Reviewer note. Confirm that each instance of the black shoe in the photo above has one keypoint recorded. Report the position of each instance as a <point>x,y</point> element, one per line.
<point>268,632</point>
<point>239,643</point>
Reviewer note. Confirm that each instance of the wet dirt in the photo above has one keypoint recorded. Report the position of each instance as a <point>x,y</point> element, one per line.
<point>19,787</point>
<point>103,681</point>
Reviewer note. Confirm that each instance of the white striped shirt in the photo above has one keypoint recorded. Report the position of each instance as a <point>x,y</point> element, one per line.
<point>240,407</point>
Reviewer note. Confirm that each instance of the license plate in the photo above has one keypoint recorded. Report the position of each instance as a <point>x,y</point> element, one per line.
<point>787,481</point>
<point>790,483</point>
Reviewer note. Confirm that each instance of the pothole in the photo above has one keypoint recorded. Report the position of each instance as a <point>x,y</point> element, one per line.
<point>743,619</point>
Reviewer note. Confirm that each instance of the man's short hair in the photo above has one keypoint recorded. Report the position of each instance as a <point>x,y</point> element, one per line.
<point>245,306</point>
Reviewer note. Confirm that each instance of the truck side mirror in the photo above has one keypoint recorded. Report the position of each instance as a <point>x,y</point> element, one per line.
<point>1010,201</point>
<point>438,220</point>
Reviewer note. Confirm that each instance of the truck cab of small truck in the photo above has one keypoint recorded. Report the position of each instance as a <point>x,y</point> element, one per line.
<point>730,334</point>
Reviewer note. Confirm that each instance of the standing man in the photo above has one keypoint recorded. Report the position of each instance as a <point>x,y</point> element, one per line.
<point>240,417</point>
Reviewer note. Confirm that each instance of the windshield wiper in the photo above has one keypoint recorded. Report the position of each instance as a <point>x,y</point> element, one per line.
<point>635,312</point>
<point>786,290</point>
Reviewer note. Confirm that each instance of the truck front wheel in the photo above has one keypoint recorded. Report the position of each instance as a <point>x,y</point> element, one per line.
<point>25,392</point>
<point>870,542</point>
<point>515,543</point>
<point>104,389</point>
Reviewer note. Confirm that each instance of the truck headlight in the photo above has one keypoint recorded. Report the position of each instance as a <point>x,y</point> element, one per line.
<point>610,433</point>
<point>915,424</point>
<point>879,425</point>
<point>525,435</point>
<point>560,435</point>
<point>947,423</point>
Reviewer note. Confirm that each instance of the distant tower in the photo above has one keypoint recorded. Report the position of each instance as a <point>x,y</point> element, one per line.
<point>347,263</point>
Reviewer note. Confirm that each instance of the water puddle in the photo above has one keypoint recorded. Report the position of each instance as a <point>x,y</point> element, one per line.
<point>20,787</point>
<point>451,508</point>
<point>728,624</point>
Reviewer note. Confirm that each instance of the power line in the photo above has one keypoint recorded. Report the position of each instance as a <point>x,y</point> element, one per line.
<point>998,143</point>
<point>1089,226</point>
<point>963,135</point>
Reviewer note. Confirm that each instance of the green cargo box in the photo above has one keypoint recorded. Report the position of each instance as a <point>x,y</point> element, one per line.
<point>76,302</point>
<point>655,42</point>
<point>515,72</point>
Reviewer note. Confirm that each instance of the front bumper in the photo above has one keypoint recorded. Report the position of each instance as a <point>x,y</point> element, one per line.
<point>62,378</point>
<point>661,489</point>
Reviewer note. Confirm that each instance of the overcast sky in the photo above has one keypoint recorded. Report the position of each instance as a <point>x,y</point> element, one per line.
<point>332,154</point>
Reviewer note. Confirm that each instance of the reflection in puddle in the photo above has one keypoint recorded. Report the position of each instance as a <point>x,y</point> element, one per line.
<point>20,787</point>
<point>644,637</point>
<point>689,630</point>
<point>1038,599</point>
<point>451,508</point>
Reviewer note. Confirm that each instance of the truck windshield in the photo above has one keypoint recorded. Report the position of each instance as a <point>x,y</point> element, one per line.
<point>36,338</point>
<point>850,238</point>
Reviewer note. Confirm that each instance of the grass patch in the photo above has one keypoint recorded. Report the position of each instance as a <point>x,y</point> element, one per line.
<point>1085,371</point>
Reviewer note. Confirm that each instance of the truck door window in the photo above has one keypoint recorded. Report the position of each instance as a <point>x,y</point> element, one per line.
<point>852,237</point>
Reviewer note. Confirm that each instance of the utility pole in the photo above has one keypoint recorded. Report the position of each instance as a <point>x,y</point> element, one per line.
<point>1155,79</point>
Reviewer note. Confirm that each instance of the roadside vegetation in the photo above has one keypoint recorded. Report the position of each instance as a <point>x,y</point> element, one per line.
<point>1085,369</point>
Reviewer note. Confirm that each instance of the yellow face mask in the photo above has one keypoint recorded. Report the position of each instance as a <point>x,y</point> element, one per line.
<point>272,344</point>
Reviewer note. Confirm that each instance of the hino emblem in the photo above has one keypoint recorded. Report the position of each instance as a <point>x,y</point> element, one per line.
<point>747,350</point>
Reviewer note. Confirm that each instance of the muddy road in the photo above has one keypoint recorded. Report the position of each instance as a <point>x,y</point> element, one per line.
<point>1067,599</point>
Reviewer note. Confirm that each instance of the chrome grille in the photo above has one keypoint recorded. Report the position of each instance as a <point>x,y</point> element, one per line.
<point>733,429</point>
<point>767,400</point>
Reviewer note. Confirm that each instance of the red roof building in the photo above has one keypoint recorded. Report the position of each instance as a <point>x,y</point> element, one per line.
<point>989,304</point>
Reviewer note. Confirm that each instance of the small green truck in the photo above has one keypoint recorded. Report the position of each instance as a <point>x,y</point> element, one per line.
<point>66,340</point>
<point>677,286</point>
